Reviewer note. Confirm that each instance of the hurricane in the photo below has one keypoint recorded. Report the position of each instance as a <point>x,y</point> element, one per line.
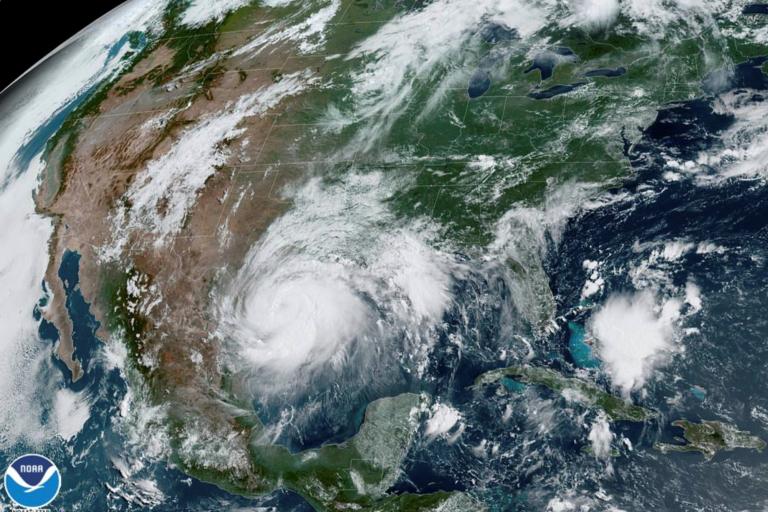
<point>438,255</point>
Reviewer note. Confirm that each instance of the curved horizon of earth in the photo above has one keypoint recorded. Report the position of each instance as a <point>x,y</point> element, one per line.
<point>391,255</point>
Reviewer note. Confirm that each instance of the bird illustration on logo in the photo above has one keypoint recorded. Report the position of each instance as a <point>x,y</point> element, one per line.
<point>32,481</point>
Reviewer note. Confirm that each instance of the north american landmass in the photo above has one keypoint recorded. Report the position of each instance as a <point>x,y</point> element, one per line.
<point>169,172</point>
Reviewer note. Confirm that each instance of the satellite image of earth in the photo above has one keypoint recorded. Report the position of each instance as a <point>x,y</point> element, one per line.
<point>391,255</point>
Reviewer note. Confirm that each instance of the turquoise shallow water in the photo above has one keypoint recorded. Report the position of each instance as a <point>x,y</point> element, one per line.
<point>521,447</point>
<point>580,350</point>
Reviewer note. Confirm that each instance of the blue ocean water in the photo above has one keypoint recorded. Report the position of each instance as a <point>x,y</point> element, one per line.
<point>86,461</point>
<point>726,356</point>
<point>731,362</point>
<point>36,143</point>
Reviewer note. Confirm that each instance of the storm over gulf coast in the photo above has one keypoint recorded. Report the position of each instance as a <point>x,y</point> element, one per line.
<point>439,256</point>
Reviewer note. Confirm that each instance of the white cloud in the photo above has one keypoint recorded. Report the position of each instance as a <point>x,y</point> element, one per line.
<point>305,313</point>
<point>601,437</point>
<point>648,17</point>
<point>693,295</point>
<point>176,178</point>
<point>442,421</point>
<point>412,47</point>
<point>326,287</point>
<point>634,336</point>
<point>23,261</point>
<point>595,13</point>
<point>744,151</point>
<point>595,282</point>
<point>309,32</point>
<point>78,65</point>
<point>201,12</point>
<point>71,411</point>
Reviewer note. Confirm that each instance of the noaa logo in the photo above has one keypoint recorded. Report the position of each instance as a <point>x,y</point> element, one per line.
<point>32,481</point>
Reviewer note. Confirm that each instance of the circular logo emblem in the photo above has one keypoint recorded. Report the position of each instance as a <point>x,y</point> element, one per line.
<point>32,481</point>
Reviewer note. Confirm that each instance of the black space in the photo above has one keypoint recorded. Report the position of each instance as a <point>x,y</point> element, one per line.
<point>30,29</point>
